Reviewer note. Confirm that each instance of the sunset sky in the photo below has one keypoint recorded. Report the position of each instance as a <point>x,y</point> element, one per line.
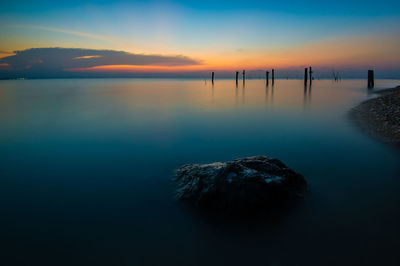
<point>198,36</point>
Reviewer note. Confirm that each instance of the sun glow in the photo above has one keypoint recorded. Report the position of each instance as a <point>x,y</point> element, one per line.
<point>88,57</point>
<point>135,68</point>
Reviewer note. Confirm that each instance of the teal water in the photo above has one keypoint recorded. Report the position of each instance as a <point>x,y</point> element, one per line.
<point>86,168</point>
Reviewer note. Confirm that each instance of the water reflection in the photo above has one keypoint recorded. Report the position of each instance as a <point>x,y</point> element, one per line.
<point>307,95</point>
<point>212,88</point>
<point>272,93</point>
<point>236,94</point>
<point>243,90</point>
<point>57,138</point>
<point>269,94</point>
<point>261,221</point>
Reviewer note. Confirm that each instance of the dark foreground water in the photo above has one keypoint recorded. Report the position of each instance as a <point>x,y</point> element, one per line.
<point>86,167</point>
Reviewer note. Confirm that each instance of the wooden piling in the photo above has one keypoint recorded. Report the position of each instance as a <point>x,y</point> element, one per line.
<point>371,81</point>
<point>310,72</point>
<point>305,76</point>
<point>273,76</point>
<point>267,77</point>
<point>244,75</point>
<point>237,76</point>
<point>212,77</point>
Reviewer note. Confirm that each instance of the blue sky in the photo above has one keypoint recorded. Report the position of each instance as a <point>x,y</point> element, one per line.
<point>305,7</point>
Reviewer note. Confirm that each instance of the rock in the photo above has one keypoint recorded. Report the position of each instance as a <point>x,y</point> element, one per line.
<point>247,183</point>
<point>379,116</point>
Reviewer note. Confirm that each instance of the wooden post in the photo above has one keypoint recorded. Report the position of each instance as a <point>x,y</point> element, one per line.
<point>244,75</point>
<point>273,76</point>
<point>371,82</point>
<point>310,75</point>
<point>305,76</point>
<point>237,76</point>
<point>267,77</point>
<point>212,77</point>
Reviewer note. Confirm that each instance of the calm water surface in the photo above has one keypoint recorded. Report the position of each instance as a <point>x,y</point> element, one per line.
<point>86,167</point>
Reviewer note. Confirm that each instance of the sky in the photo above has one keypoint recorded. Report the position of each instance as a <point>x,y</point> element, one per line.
<point>192,38</point>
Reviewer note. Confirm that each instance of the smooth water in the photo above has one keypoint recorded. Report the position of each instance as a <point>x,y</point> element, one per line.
<point>86,168</point>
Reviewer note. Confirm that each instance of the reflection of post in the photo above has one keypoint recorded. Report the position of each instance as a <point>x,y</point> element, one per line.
<point>307,95</point>
<point>212,90</point>
<point>267,77</point>
<point>237,77</point>
<point>272,92</point>
<point>236,93</point>
<point>243,89</point>
<point>273,76</point>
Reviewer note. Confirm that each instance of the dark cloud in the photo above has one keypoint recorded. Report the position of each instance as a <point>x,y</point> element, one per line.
<point>54,61</point>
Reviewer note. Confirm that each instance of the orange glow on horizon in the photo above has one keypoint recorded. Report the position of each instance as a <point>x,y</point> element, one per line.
<point>88,57</point>
<point>136,68</point>
<point>350,52</point>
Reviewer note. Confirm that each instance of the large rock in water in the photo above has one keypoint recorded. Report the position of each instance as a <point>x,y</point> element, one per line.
<point>248,183</point>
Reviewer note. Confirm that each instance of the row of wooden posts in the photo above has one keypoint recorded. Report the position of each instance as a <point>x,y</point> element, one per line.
<point>307,74</point>
<point>244,76</point>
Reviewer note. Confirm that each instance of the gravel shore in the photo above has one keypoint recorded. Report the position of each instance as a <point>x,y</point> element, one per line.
<point>380,116</point>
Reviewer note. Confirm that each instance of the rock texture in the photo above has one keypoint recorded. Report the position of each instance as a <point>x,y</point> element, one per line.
<point>380,116</point>
<point>248,183</point>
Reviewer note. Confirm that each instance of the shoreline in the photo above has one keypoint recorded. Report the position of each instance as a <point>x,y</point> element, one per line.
<point>380,116</point>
